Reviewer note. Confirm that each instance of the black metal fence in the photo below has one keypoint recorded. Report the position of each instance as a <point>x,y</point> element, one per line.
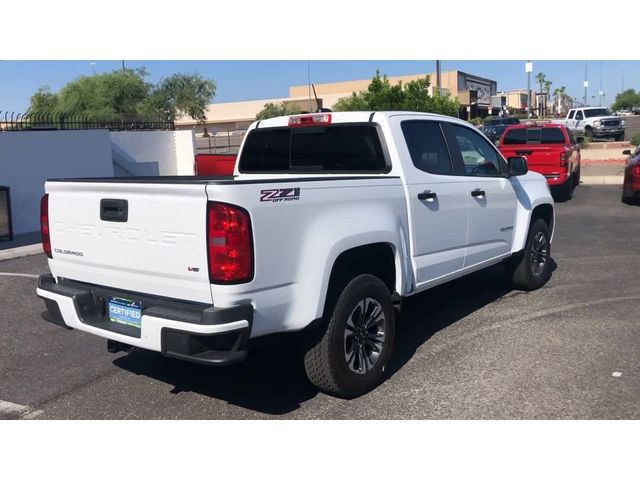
<point>227,141</point>
<point>11,122</point>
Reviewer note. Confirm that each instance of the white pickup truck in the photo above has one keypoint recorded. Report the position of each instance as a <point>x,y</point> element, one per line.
<point>594,122</point>
<point>329,220</point>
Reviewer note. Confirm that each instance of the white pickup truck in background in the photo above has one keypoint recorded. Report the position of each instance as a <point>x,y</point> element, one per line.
<point>594,122</point>
<point>329,219</point>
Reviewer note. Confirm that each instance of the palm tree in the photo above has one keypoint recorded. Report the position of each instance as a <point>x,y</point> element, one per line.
<point>556,99</point>
<point>540,78</point>
<point>547,89</point>
<point>563,97</point>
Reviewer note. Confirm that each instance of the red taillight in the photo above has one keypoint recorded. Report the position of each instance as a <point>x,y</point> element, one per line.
<point>44,224</point>
<point>636,170</point>
<point>314,120</point>
<point>229,243</point>
<point>564,158</point>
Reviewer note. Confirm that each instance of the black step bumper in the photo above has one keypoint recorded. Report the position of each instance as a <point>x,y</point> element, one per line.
<point>193,332</point>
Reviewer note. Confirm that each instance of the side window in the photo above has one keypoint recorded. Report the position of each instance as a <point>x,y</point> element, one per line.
<point>479,157</point>
<point>572,139</point>
<point>579,115</point>
<point>427,147</point>
<point>571,113</point>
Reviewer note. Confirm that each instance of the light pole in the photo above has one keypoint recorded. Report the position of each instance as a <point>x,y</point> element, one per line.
<point>586,83</point>
<point>528,67</point>
<point>601,77</point>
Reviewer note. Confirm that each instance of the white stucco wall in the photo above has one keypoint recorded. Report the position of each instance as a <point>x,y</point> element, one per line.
<point>155,152</point>
<point>28,159</point>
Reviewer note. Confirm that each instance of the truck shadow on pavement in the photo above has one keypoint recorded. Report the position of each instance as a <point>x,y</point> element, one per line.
<point>272,380</point>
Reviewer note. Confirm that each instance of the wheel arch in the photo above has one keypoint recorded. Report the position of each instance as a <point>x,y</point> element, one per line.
<point>379,259</point>
<point>545,212</point>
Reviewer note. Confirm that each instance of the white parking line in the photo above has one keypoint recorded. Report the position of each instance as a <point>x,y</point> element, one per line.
<point>26,275</point>
<point>10,410</point>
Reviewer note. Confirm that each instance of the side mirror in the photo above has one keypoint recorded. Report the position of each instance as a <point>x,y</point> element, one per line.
<point>626,152</point>
<point>517,166</point>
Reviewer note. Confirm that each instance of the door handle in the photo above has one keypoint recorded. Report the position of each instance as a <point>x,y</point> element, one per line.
<point>427,195</point>
<point>477,193</point>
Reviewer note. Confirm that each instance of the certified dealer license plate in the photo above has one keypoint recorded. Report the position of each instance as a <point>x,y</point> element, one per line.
<point>125,312</point>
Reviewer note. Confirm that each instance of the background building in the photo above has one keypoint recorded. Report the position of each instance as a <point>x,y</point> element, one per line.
<point>226,122</point>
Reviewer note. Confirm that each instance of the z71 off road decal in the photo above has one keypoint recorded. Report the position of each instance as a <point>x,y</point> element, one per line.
<point>280,194</point>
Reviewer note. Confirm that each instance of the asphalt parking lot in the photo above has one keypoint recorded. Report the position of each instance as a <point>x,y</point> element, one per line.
<point>471,349</point>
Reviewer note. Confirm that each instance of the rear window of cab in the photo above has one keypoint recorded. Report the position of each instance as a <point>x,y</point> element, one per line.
<point>333,148</point>
<point>534,135</point>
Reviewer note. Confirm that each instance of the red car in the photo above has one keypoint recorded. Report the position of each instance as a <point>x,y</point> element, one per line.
<point>631,182</point>
<point>550,149</point>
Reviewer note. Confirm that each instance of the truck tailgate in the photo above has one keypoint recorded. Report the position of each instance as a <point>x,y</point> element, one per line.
<point>140,237</point>
<point>537,155</point>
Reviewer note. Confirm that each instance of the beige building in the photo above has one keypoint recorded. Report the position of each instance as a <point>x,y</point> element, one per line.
<point>516,100</point>
<point>472,91</point>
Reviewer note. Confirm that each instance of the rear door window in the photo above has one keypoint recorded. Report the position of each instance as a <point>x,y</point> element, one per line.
<point>335,148</point>
<point>427,147</point>
<point>571,113</point>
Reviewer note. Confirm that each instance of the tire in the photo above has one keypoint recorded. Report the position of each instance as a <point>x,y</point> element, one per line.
<point>522,269</point>
<point>565,191</point>
<point>619,137</point>
<point>588,133</point>
<point>343,361</point>
<point>576,177</point>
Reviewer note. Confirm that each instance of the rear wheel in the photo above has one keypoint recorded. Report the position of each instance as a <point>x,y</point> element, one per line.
<point>350,356</point>
<point>532,268</point>
<point>565,191</point>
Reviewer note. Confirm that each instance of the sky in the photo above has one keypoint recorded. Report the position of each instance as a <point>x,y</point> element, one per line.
<point>263,79</point>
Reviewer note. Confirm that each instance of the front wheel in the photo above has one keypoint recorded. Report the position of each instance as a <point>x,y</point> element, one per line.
<point>350,357</point>
<point>531,269</point>
<point>588,133</point>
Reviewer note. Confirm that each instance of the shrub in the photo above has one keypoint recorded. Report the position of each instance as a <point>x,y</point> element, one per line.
<point>635,140</point>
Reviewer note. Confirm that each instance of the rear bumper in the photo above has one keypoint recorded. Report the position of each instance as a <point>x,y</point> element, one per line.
<point>554,179</point>
<point>196,333</point>
<point>631,187</point>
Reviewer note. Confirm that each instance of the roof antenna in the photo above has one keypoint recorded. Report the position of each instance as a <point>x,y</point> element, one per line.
<point>319,108</point>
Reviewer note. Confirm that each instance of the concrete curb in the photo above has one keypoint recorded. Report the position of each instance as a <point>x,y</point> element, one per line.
<point>601,179</point>
<point>18,252</point>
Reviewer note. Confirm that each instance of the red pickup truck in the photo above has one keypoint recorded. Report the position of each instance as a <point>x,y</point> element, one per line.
<point>550,149</point>
<point>215,165</point>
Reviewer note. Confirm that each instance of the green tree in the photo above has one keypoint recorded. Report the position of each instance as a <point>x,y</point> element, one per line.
<point>547,88</point>
<point>626,100</point>
<point>125,95</point>
<point>353,103</point>
<point>271,110</point>
<point>43,102</point>
<point>413,96</point>
<point>182,94</point>
<point>540,78</point>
